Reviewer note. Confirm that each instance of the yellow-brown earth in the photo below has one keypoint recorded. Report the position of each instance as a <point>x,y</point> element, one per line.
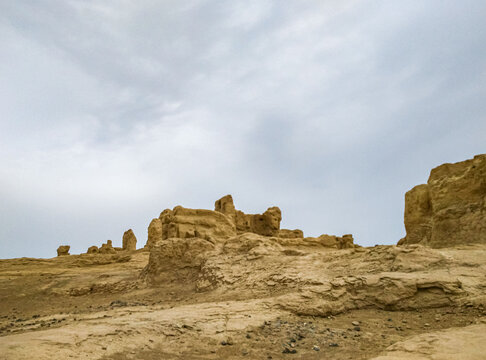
<point>227,285</point>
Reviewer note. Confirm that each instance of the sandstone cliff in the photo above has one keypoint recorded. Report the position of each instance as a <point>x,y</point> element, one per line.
<point>451,208</point>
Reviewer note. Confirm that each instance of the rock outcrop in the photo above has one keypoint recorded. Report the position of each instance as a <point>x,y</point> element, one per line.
<point>129,242</point>
<point>63,250</point>
<point>451,208</point>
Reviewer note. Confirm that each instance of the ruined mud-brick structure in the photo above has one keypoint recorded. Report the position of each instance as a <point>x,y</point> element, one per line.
<point>451,208</point>
<point>63,250</point>
<point>129,241</point>
<point>184,239</point>
<point>224,222</point>
<point>218,225</point>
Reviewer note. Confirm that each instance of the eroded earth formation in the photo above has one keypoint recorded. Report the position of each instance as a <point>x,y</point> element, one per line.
<point>450,209</point>
<point>222,284</point>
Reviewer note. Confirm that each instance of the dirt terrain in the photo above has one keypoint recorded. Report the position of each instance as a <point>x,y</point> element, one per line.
<point>94,307</point>
<point>223,284</point>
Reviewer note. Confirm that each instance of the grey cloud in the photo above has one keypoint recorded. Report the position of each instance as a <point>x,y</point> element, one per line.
<point>111,111</point>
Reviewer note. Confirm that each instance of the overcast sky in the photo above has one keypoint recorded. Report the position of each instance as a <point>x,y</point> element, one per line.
<point>111,111</point>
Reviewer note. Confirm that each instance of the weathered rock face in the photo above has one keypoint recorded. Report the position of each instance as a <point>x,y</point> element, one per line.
<point>154,232</point>
<point>451,208</point>
<point>184,256</point>
<point>329,281</point>
<point>196,223</point>
<point>129,241</point>
<point>63,250</point>
<point>418,215</point>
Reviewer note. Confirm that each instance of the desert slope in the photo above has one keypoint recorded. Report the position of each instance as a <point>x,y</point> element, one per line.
<point>222,284</point>
<point>262,304</point>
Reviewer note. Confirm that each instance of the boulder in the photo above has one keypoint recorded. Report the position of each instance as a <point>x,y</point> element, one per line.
<point>154,232</point>
<point>451,208</point>
<point>63,250</point>
<point>129,241</point>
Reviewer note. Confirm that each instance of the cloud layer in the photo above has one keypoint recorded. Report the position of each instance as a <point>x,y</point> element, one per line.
<point>111,111</point>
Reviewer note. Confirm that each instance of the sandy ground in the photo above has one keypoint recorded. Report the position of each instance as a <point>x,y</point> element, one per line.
<point>99,307</point>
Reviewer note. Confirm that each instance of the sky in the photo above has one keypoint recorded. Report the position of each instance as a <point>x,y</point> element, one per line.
<point>114,110</point>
